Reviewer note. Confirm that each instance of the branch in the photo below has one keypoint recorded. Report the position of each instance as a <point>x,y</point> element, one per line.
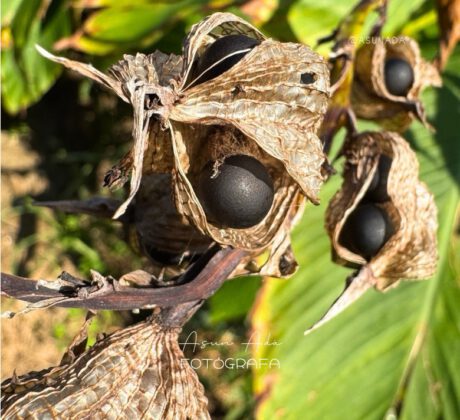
<point>199,282</point>
<point>96,206</point>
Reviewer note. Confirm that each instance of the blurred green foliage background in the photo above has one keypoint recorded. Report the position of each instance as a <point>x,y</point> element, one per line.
<point>392,355</point>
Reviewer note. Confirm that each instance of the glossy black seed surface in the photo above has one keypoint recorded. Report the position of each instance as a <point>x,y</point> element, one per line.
<point>238,45</point>
<point>377,191</point>
<point>399,76</point>
<point>241,194</point>
<point>366,230</point>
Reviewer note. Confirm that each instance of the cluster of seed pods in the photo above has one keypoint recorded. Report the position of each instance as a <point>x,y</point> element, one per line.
<point>226,150</point>
<point>232,129</point>
<point>231,137</point>
<point>383,220</point>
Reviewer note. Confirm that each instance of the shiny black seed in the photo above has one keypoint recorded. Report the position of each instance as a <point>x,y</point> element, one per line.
<point>377,190</point>
<point>237,45</point>
<point>239,195</point>
<point>366,230</point>
<point>399,76</point>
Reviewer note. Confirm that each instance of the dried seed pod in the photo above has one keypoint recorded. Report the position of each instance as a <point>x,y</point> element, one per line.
<point>410,252</point>
<point>371,95</point>
<point>163,234</point>
<point>275,97</point>
<point>216,146</point>
<point>137,373</point>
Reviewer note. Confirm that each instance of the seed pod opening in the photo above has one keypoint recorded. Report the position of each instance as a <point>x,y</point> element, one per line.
<point>389,75</point>
<point>218,145</point>
<point>409,245</point>
<point>219,56</point>
<point>366,230</point>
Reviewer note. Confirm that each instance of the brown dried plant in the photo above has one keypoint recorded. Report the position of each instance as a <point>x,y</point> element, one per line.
<point>370,98</point>
<point>138,373</point>
<point>411,251</point>
<point>270,104</point>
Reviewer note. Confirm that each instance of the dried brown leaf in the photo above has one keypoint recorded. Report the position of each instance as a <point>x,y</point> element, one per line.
<point>449,24</point>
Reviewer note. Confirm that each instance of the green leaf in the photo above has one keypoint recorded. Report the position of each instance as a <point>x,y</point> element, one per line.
<point>8,11</point>
<point>25,74</point>
<point>127,24</point>
<point>233,300</point>
<point>387,352</point>
<point>23,21</point>
<point>311,20</point>
<point>399,13</point>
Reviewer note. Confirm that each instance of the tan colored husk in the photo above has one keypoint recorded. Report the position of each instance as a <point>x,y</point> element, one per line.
<point>261,97</point>
<point>370,98</point>
<point>218,144</point>
<point>160,227</point>
<point>136,373</point>
<point>411,252</point>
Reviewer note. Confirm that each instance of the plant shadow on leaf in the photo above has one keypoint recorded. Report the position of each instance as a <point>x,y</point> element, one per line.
<point>446,123</point>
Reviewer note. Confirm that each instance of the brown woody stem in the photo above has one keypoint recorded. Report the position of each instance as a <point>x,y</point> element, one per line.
<point>199,282</point>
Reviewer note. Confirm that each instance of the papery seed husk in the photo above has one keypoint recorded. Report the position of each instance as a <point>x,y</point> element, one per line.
<point>411,252</point>
<point>279,111</point>
<point>370,98</point>
<point>136,373</point>
<point>218,144</point>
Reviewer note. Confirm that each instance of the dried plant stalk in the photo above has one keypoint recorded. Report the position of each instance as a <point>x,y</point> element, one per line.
<point>136,373</point>
<point>274,98</point>
<point>411,251</point>
<point>370,97</point>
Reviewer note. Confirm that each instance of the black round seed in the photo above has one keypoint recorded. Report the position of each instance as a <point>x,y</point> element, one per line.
<point>239,195</point>
<point>399,76</point>
<point>377,191</point>
<point>233,46</point>
<point>366,230</point>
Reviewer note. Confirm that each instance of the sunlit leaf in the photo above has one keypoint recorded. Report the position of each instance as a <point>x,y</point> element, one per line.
<point>25,74</point>
<point>234,299</point>
<point>387,352</point>
<point>311,20</point>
